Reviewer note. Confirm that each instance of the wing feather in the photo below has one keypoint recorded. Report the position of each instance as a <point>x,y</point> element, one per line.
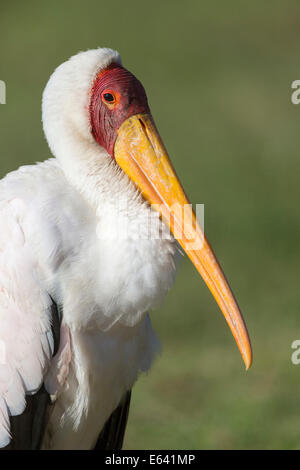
<point>26,337</point>
<point>112,434</point>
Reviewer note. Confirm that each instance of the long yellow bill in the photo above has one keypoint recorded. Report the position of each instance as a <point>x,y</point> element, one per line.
<point>140,153</point>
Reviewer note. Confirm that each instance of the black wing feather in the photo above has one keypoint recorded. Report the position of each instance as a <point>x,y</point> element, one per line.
<point>112,435</point>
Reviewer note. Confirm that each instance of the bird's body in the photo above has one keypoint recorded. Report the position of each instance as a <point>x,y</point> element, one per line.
<point>82,246</point>
<point>85,268</point>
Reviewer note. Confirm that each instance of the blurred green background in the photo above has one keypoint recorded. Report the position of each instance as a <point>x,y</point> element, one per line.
<point>218,77</point>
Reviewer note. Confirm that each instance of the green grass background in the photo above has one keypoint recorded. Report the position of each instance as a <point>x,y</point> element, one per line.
<point>218,76</point>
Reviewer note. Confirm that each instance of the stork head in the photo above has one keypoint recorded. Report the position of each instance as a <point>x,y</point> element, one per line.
<point>93,102</point>
<point>116,96</point>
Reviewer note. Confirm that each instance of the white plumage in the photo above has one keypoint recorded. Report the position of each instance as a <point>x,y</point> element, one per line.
<point>58,221</point>
<point>77,232</point>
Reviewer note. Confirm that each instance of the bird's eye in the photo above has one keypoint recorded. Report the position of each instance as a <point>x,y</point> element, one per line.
<point>109,97</point>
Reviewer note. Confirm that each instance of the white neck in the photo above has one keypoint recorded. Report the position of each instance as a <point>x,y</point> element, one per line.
<point>94,173</point>
<point>66,121</point>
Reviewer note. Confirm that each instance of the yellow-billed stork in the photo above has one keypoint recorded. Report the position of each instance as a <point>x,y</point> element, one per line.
<point>79,269</point>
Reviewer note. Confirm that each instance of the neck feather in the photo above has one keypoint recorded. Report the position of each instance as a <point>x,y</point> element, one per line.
<point>93,172</point>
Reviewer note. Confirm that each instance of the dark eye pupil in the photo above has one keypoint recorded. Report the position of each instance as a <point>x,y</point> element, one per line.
<point>108,97</point>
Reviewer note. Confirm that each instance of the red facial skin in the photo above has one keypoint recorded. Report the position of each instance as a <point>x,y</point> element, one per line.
<point>129,99</point>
